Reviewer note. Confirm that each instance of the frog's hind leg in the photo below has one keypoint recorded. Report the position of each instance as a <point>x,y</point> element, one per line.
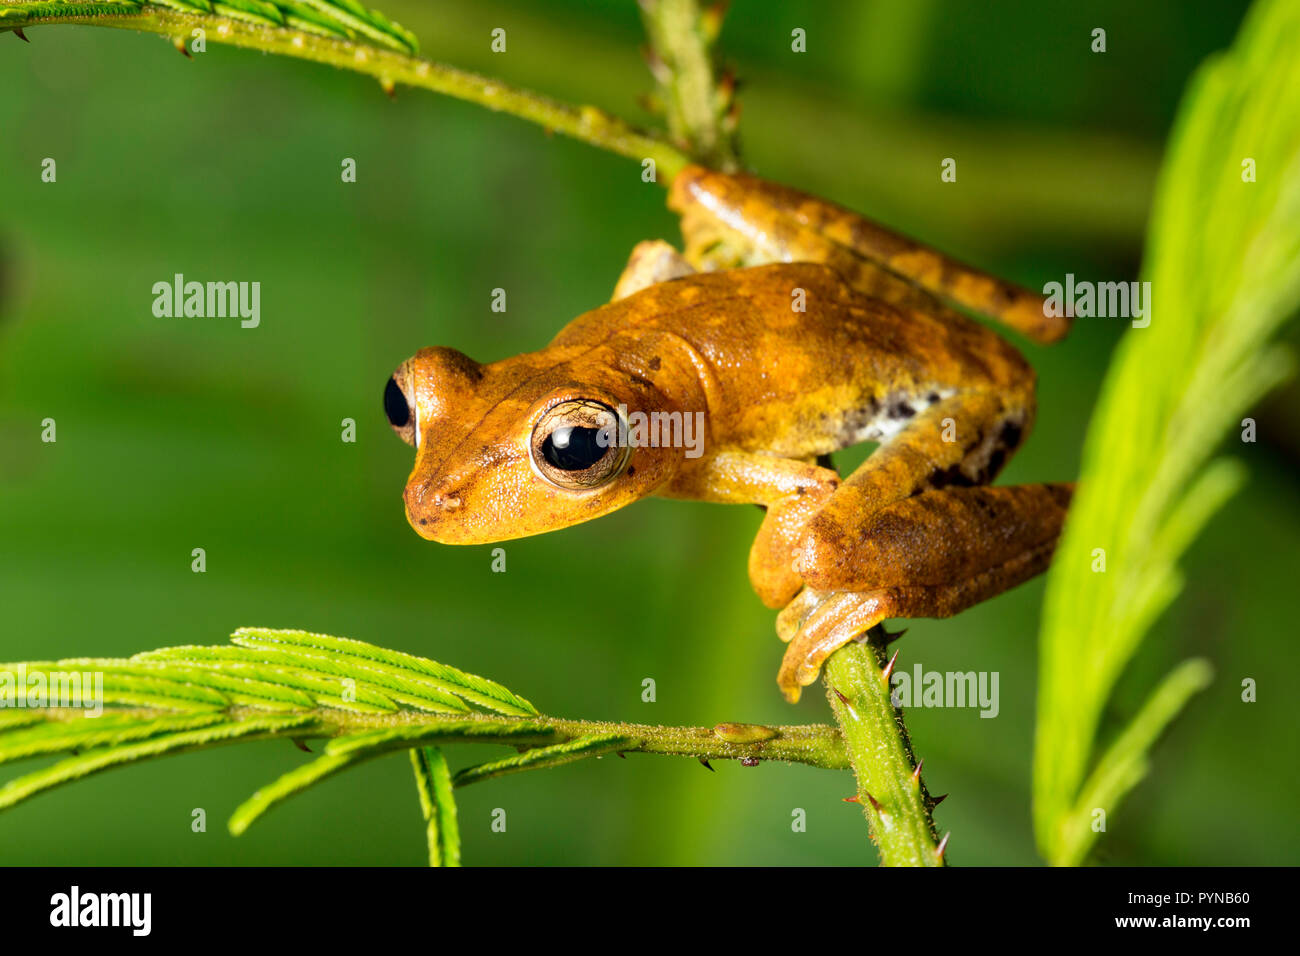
<point>651,262</point>
<point>915,532</point>
<point>932,555</point>
<point>726,217</point>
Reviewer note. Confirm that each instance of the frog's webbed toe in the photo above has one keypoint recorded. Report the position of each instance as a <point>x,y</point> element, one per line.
<point>818,623</point>
<point>651,262</point>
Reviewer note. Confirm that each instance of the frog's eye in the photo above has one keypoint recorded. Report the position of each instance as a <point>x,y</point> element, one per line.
<point>575,445</point>
<point>398,407</point>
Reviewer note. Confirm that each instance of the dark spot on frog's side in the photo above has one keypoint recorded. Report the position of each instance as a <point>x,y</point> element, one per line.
<point>1008,441</point>
<point>1010,435</point>
<point>951,476</point>
<point>654,364</point>
<point>901,410</point>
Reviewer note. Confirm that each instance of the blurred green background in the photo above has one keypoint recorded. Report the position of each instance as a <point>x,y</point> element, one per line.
<point>182,433</point>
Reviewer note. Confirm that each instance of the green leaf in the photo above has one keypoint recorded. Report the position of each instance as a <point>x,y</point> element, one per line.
<point>287,684</point>
<point>87,733</point>
<point>340,18</point>
<point>99,759</point>
<point>433,782</point>
<point>553,756</point>
<point>268,683</point>
<point>336,688</point>
<point>1124,763</point>
<point>1223,261</point>
<point>293,782</point>
<point>476,690</point>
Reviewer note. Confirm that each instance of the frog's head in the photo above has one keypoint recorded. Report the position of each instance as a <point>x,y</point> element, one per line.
<point>521,446</point>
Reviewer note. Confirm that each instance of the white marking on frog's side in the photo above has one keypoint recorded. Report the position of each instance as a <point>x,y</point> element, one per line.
<point>890,418</point>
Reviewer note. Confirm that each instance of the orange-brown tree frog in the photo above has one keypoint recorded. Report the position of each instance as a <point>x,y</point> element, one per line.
<point>789,328</point>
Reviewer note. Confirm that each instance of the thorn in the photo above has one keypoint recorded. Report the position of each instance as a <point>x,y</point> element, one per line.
<point>658,69</point>
<point>843,700</point>
<point>711,20</point>
<point>889,668</point>
<point>727,85</point>
<point>18,32</point>
<point>621,755</point>
<point>943,845</point>
<point>916,774</point>
<point>704,762</point>
<point>875,805</point>
<point>389,87</point>
<point>651,104</point>
<point>890,638</point>
<point>301,745</point>
<point>935,801</point>
<point>853,799</point>
<point>179,44</point>
<point>749,761</point>
<point>732,119</point>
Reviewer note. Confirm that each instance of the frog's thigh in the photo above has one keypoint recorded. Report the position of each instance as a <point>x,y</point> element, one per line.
<point>792,491</point>
<point>651,262</point>
<point>929,556</point>
<point>962,440</point>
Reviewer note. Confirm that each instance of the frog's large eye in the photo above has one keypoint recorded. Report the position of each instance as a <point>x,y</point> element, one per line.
<point>398,406</point>
<point>576,445</point>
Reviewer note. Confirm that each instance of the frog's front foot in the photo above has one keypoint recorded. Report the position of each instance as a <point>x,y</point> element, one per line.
<point>818,623</point>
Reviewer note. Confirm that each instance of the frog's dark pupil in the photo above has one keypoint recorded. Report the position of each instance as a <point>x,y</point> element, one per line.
<point>395,407</point>
<point>573,448</point>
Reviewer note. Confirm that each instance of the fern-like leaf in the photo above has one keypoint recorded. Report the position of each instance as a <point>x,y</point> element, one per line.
<point>266,683</point>
<point>555,755</point>
<point>433,783</point>
<point>337,18</point>
<point>1223,261</point>
<point>366,700</point>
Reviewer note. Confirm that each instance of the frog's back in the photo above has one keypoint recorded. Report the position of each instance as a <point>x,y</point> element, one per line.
<point>799,362</point>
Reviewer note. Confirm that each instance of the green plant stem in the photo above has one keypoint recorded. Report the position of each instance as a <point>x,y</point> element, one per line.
<point>815,745</point>
<point>681,59</point>
<point>890,789</point>
<point>390,67</point>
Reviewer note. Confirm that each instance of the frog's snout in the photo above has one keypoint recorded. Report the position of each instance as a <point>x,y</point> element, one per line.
<point>426,507</point>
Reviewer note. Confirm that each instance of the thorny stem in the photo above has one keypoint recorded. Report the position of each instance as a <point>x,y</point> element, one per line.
<point>389,67</point>
<point>893,796</point>
<point>814,744</point>
<point>698,109</point>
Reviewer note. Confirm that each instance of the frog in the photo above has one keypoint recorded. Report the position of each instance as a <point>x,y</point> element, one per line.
<point>788,327</point>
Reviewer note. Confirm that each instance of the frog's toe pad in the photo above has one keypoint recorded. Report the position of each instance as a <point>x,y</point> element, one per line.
<point>821,623</point>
